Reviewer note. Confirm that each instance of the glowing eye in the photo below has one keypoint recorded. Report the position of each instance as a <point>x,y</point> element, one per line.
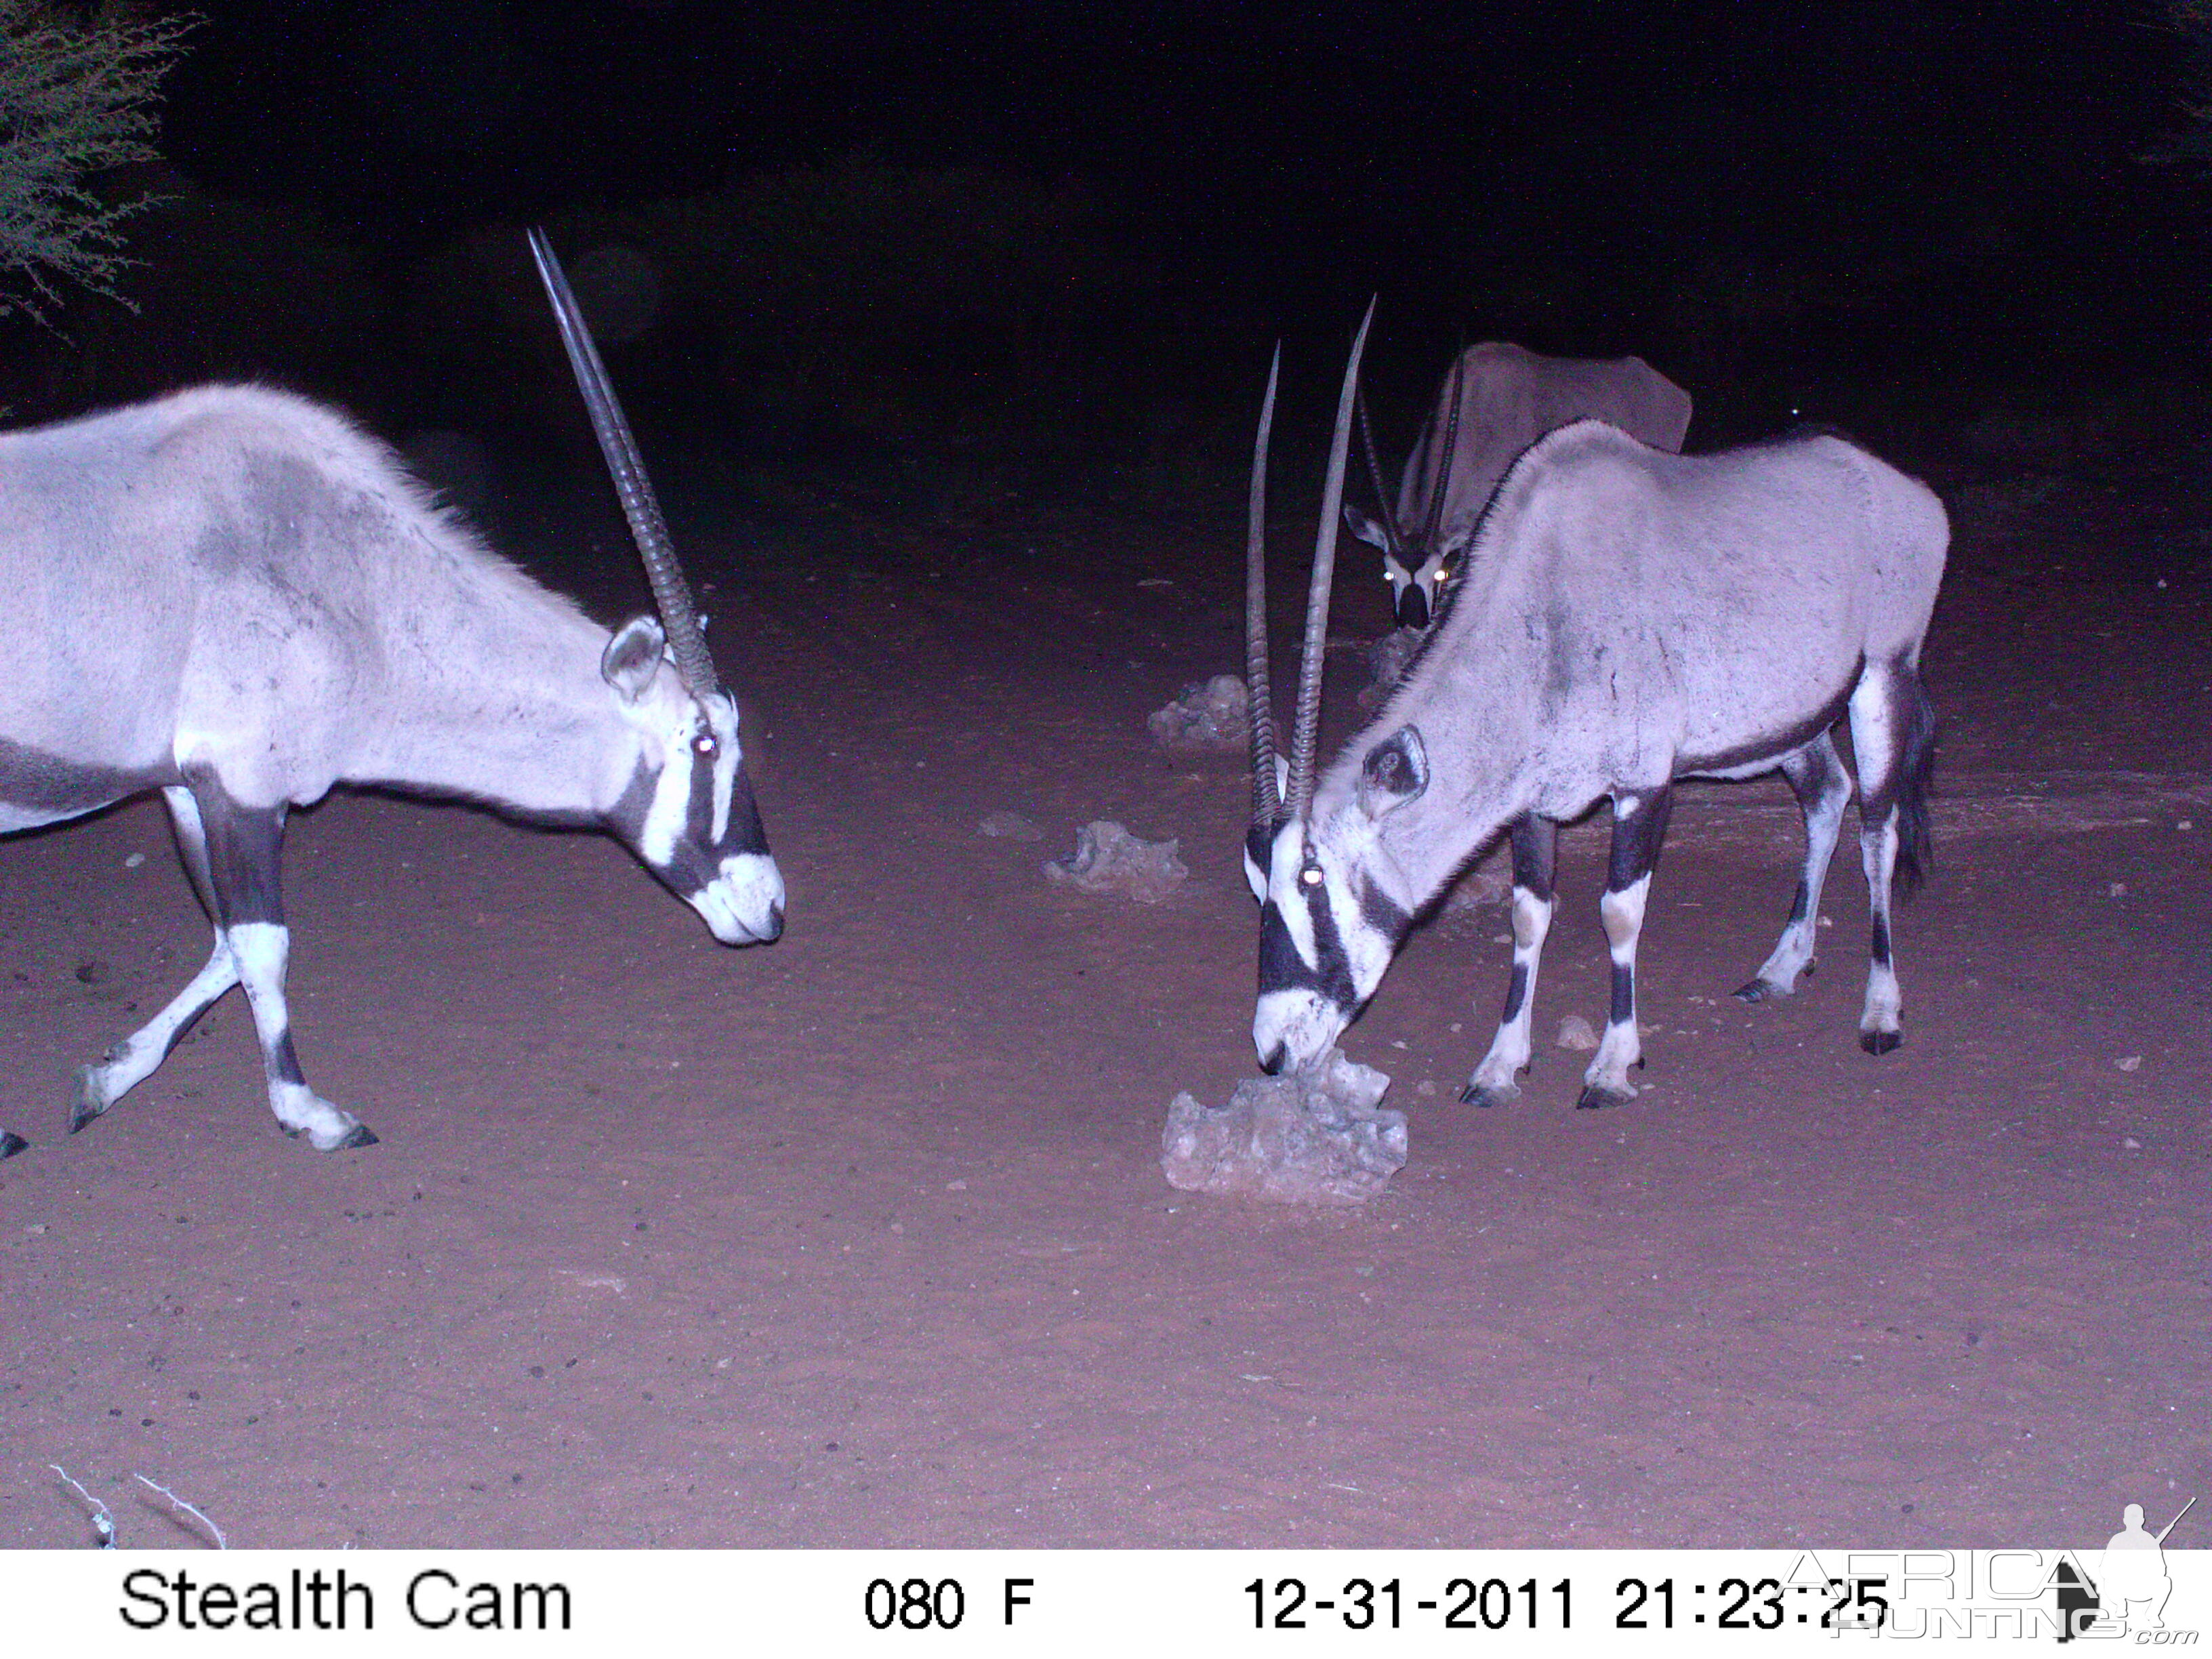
<point>1311,876</point>
<point>705,743</point>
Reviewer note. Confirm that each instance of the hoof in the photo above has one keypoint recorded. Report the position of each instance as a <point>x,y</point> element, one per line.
<point>360,1136</point>
<point>1761,990</point>
<point>86,1101</point>
<point>11,1143</point>
<point>1476,1095</point>
<point>1881,1043</point>
<point>1596,1096</point>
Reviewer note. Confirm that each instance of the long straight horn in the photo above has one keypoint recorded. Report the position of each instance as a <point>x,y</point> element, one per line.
<point>1305,737</point>
<point>1442,485</point>
<point>1388,510</point>
<point>1258,698</point>
<point>679,616</point>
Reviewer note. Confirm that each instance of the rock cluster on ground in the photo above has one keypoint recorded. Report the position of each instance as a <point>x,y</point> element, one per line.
<point>1108,858</point>
<point>1318,1136</point>
<point>1209,716</point>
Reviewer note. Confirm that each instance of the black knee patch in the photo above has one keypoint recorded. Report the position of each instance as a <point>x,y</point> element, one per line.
<point>1637,839</point>
<point>1535,854</point>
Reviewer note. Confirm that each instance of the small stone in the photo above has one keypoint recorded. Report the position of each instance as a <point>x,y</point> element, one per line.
<point>2186,823</point>
<point>1009,826</point>
<point>955,1186</point>
<point>1425,1089</point>
<point>91,973</point>
<point>2118,890</point>
<point>2131,1143</point>
<point>2129,1063</point>
<point>134,861</point>
<point>1575,1032</point>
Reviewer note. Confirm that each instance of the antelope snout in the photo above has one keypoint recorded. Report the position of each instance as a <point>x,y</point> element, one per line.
<point>743,905</point>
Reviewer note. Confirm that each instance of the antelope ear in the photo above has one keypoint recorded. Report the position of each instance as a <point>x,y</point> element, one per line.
<point>1395,771</point>
<point>633,657</point>
<point>1365,527</point>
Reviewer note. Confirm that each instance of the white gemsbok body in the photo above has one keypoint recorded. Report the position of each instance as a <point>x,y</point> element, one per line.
<point>1496,399</point>
<point>234,596</point>
<point>1628,618</point>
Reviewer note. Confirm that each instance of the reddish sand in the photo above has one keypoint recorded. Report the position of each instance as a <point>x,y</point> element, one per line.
<point>862,1239</point>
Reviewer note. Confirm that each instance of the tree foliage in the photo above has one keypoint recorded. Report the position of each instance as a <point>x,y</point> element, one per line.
<point>78,97</point>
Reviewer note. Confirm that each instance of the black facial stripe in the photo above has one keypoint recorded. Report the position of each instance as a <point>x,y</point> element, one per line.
<point>1334,966</point>
<point>627,816</point>
<point>694,861</point>
<point>1383,912</point>
<point>1258,840</point>
<point>1281,967</point>
<point>745,833</point>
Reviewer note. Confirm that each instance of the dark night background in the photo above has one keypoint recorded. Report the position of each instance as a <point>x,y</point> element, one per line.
<point>1053,241</point>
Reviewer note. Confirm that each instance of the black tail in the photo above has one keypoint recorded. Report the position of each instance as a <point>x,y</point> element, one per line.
<point>1916,772</point>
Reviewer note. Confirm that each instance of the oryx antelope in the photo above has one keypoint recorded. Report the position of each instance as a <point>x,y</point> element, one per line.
<point>232,596</point>
<point>1495,401</point>
<point>1628,618</point>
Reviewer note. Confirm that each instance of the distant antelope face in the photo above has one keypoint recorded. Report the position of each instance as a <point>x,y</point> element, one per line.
<point>1416,594</point>
<point>1417,575</point>
<point>688,812</point>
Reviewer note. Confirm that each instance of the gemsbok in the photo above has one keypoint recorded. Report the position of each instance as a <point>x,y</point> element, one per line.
<point>232,596</point>
<point>1496,400</point>
<point>1628,618</point>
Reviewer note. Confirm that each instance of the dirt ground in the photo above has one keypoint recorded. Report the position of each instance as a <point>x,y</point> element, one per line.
<point>861,1239</point>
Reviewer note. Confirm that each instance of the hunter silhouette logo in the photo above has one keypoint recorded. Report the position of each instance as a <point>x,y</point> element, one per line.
<point>2132,1585</point>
